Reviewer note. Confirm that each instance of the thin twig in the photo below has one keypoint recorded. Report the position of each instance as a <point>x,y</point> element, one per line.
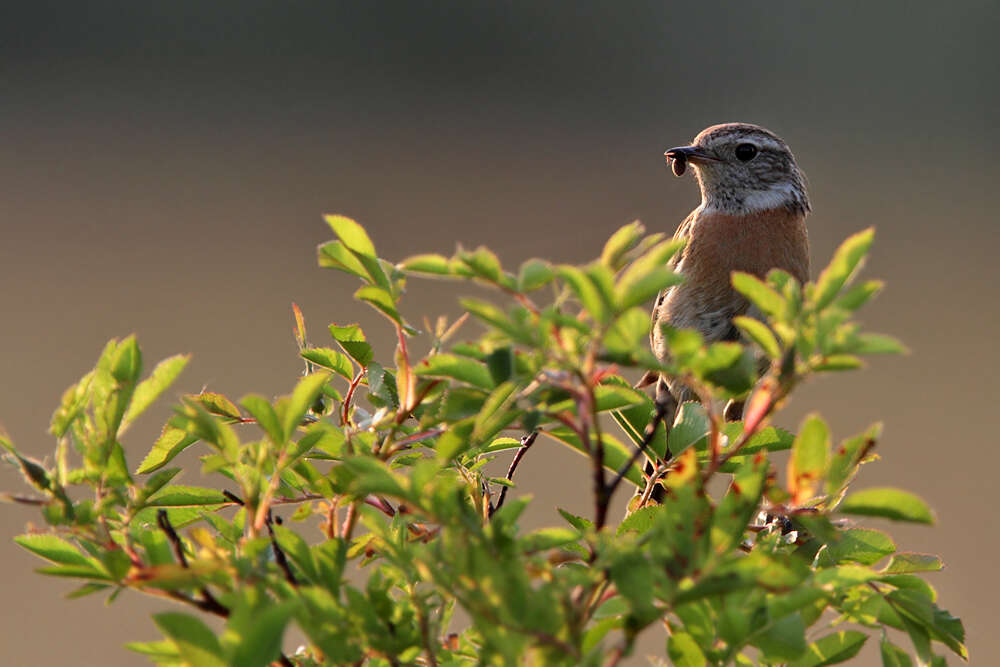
<point>346,407</point>
<point>601,496</point>
<point>349,521</point>
<point>526,443</point>
<point>279,554</point>
<point>175,541</point>
<point>208,602</point>
<point>647,438</point>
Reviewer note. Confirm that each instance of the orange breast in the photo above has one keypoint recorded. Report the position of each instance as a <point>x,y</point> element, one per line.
<point>720,244</point>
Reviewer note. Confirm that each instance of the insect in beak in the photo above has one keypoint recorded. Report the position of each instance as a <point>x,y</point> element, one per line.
<point>679,157</point>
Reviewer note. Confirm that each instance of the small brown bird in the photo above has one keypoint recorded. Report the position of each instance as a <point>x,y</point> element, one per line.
<point>751,218</point>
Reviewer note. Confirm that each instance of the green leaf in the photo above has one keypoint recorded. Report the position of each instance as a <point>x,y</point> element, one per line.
<point>893,656</point>
<point>495,317</point>
<point>641,520</point>
<point>218,405</point>
<point>298,551</point>
<point>363,475</point>
<point>690,427</point>
<point>160,652</point>
<point>456,368</point>
<point>483,263</point>
<point>501,364</point>
<point>186,496</point>
<point>847,457</point>
<point>54,549</point>
<point>877,344</point>
<point>586,292</point>
<point>640,289</point>
<point>534,273</point>
<point>352,339</point>
<point>76,572</point>
<point>809,460</point>
<point>196,643</point>
<point>759,333</point>
<point>857,296</point>
<point>330,359</point>
<point>455,440</point>
<point>497,412</point>
<point>889,503</point>
<point>729,366</point>
<point>152,387</point>
<point>861,545</point>
<point>621,242</point>
<point>760,294</point>
<point>303,397</point>
<point>172,441</point>
<point>381,300</point>
<point>783,640</point>
<point>684,651</point>
<point>431,264</point>
<point>640,280</point>
<point>628,334</point>
<point>548,538</point>
<point>845,261</point>
<point>261,410</point>
<point>740,503</point>
<point>832,649</point>
<point>351,234</point>
<point>253,635</point>
<point>336,255</point>
<point>381,386</point>
<point>907,562</point>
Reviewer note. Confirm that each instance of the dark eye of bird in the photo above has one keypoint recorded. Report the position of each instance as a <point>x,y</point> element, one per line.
<point>746,152</point>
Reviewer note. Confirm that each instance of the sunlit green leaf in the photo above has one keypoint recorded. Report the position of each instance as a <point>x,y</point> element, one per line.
<point>832,649</point>
<point>906,562</point>
<point>782,640</point>
<point>861,545</point>
<point>186,496</point>
<point>758,332</point>
<point>889,503</point>
<point>303,397</point>
<point>760,294</point>
<point>620,243</point>
<point>845,261</point>
<point>534,273</point>
<point>261,410</point>
<point>431,264</point>
<point>55,549</point>
<point>330,359</point>
<point>172,441</point>
<point>586,292</point>
<point>457,368</point>
<point>810,457</point>
<point>152,387</point>
<point>684,651</point>
<point>197,644</point>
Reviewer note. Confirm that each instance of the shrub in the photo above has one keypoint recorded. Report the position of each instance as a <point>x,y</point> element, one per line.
<point>391,462</point>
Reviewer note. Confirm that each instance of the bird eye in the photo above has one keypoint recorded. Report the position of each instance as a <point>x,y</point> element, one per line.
<point>746,152</point>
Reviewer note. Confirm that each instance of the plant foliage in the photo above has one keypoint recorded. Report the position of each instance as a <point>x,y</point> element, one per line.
<point>390,461</point>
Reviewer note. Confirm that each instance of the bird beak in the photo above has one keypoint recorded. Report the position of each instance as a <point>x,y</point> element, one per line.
<point>689,153</point>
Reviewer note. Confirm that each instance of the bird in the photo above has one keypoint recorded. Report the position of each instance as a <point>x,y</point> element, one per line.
<point>751,218</point>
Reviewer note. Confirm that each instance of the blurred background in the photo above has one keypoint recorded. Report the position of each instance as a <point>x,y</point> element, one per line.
<point>164,167</point>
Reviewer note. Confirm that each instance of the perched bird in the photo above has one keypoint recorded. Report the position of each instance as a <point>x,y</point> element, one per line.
<point>751,218</point>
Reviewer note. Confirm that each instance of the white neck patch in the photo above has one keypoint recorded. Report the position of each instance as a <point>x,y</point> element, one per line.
<point>777,196</point>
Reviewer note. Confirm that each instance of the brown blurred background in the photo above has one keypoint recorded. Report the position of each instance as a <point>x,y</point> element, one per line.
<point>164,167</point>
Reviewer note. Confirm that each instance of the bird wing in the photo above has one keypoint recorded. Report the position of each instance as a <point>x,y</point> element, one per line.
<point>683,232</point>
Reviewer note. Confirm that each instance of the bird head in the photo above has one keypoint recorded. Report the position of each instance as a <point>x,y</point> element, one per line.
<point>742,168</point>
